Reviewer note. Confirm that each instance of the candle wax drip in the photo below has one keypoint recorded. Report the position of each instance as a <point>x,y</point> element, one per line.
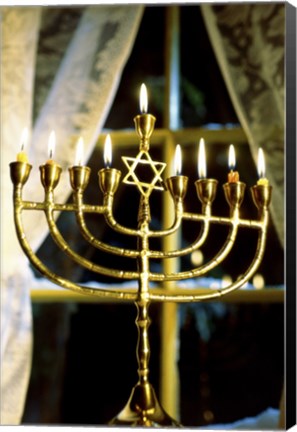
<point>263,181</point>
<point>233,177</point>
<point>22,157</point>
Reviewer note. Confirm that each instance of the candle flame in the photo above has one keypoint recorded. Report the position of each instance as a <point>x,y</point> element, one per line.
<point>107,151</point>
<point>51,144</point>
<point>261,163</point>
<point>24,139</point>
<point>201,159</point>
<point>178,160</point>
<point>143,100</point>
<point>231,159</point>
<point>79,152</point>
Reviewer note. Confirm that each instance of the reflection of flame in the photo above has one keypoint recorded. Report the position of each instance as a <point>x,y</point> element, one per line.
<point>143,99</point>
<point>79,152</point>
<point>258,281</point>
<point>197,257</point>
<point>51,144</point>
<point>177,160</point>
<point>201,160</point>
<point>261,163</point>
<point>107,151</point>
<point>24,138</point>
<point>231,159</point>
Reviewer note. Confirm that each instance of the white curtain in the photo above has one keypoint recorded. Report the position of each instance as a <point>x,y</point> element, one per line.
<point>76,104</point>
<point>249,43</point>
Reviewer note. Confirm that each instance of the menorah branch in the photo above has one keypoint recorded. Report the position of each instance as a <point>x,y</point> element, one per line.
<point>203,269</point>
<point>62,244</point>
<point>56,279</point>
<point>200,240</point>
<point>79,213</point>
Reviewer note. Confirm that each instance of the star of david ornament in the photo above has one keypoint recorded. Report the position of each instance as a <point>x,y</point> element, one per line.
<point>144,187</point>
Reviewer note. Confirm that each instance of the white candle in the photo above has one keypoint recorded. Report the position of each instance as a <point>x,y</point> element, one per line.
<point>261,169</point>
<point>107,151</point>
<point>233,176</point>
<point>143,99</point>
<point>177,160</point>
<point>22,155</point>
<point>201,160</point>
<point>51,147</point>
<point>231,158</point>
<point>79,152</point>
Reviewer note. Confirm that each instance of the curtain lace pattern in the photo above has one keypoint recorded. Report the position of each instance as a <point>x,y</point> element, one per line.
<point>249,45</point>
<point>80,73</point>
<point>19,40</point>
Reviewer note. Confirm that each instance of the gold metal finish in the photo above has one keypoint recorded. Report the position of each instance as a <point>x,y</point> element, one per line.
<point>234,193</point>
<point>19,173</point>
<point>261,196</point>
<point>144,125</point>
<point>79,177</point>
<point>143,408</point>
<point>109,180</point>
<point>206,191</point>
<point>143,158</point>
<point>177,186</point>
<point>50,176</point>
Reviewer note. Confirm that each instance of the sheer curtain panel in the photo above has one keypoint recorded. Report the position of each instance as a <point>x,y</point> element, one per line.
<point>249,43</point>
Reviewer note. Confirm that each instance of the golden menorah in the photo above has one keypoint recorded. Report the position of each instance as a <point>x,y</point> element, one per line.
<point>143,407</point>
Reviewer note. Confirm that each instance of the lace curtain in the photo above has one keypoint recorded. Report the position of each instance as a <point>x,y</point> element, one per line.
<point>248,41</point>
<point>81,72</point>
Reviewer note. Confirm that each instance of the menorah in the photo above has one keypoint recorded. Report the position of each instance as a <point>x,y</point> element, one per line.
<point>143,407</point>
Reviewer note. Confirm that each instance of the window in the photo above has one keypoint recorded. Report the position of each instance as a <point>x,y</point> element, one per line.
<point>84,362</point>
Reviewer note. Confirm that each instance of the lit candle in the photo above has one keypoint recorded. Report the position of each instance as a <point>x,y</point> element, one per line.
<point>79,152</point>
<point>177,161</point>
<point>261,169</point>
<point>201,160</point>
<point>22,155</point>
<point>143,99</point>
<point>233,176</point>
<point>107,151</point>
<point>51,147</point>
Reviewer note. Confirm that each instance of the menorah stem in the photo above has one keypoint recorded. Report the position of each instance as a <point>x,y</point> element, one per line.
<point>142,304</point>
<point>49,196</point>
<point>143,407</point>
<point>143,347</point>
<point>17,195</point>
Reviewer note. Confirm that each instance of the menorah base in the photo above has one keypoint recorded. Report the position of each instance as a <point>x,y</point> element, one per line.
<point>143,409</point>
